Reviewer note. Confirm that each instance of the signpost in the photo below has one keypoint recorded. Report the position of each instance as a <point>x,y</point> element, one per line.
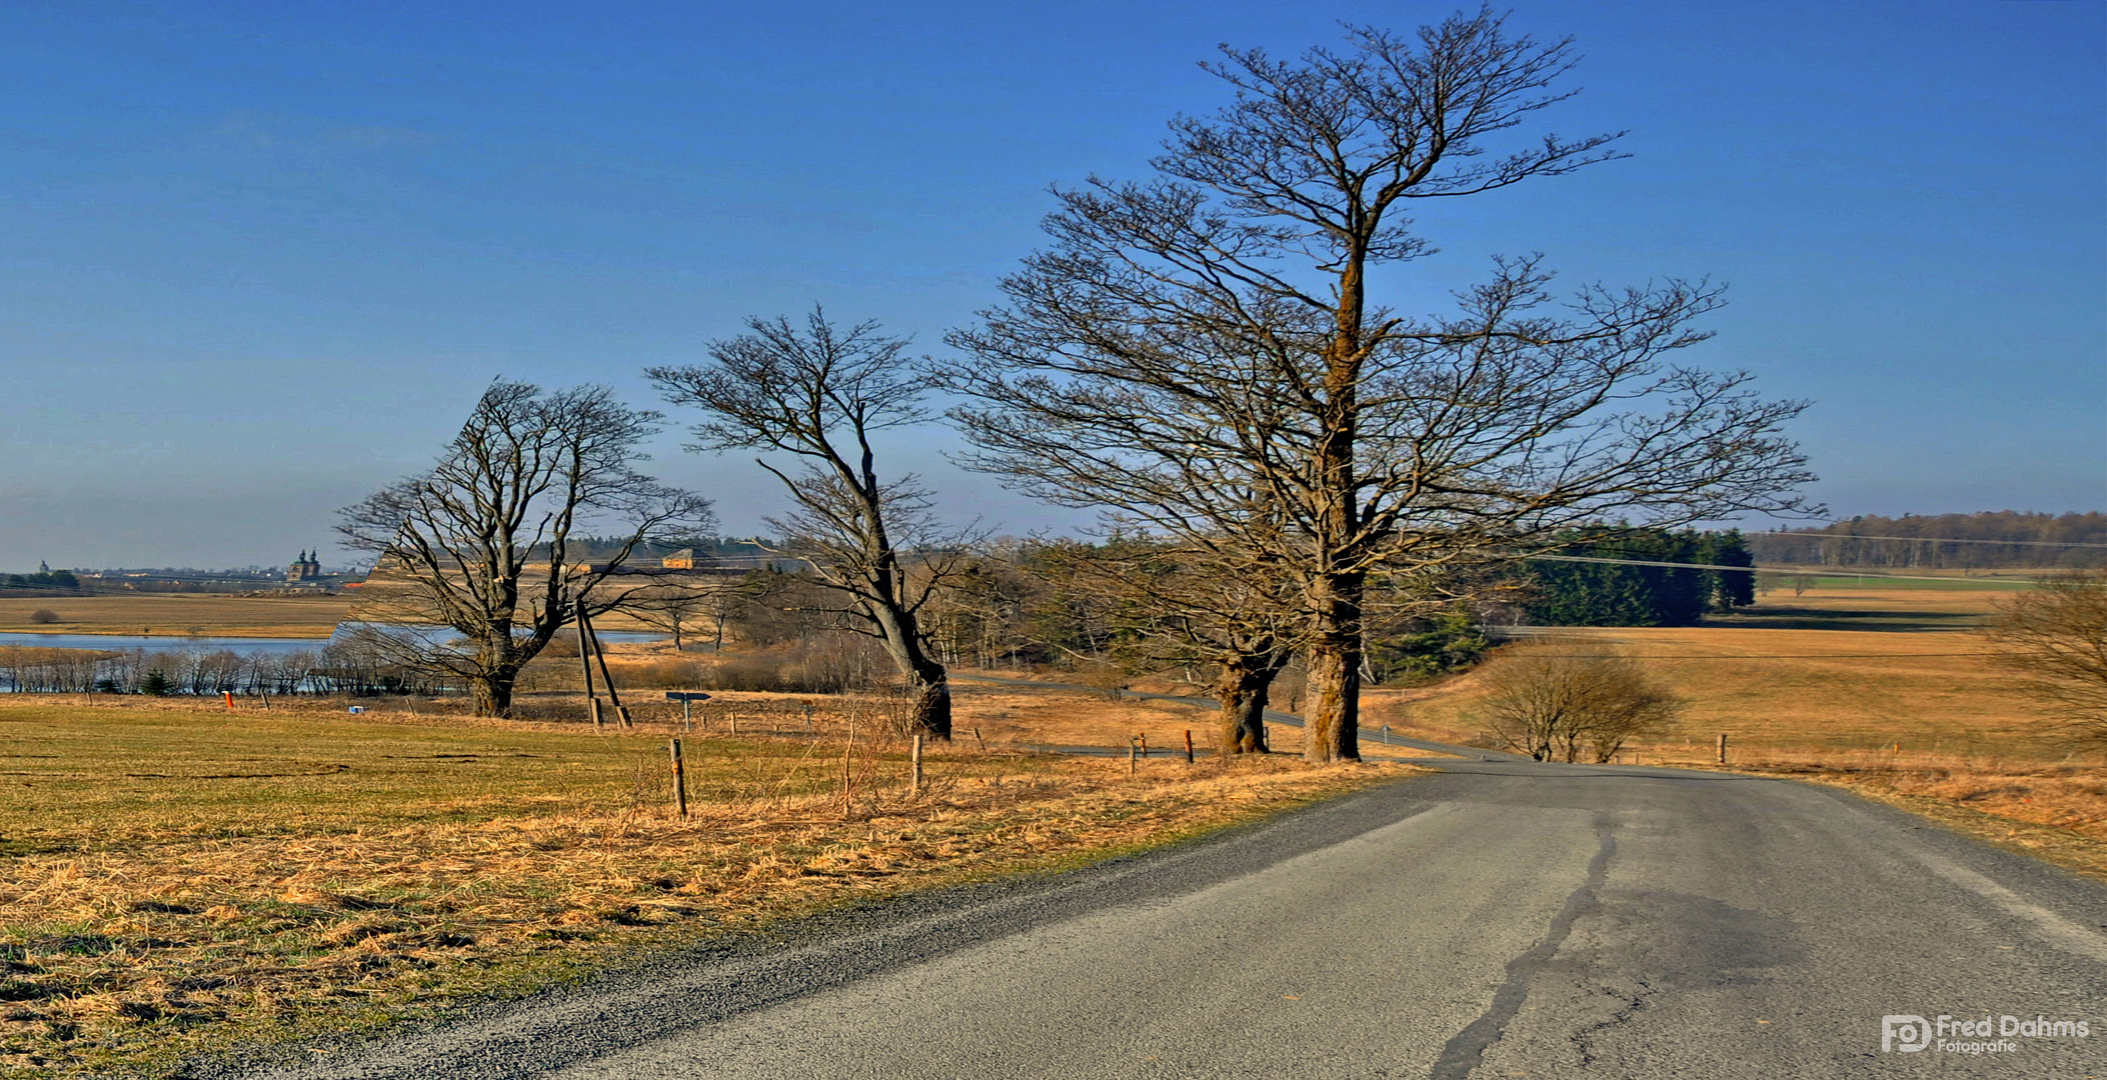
<point>686,699</point>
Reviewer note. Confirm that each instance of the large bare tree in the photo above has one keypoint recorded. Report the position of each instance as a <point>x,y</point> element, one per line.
<point>1205,342</point>
<point>821,393</point>
<point>1173,605</point>
<point>486,542</point>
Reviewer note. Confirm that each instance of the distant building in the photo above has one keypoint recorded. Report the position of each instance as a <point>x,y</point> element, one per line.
<point>304,568</point>
<point>684,559</point>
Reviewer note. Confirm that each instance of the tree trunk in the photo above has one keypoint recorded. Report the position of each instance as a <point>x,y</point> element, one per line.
<point>925,676</point>
<point>1331,731</point>
<point>1244,689</point>
<point>491,694</point>
<point>932,707</point>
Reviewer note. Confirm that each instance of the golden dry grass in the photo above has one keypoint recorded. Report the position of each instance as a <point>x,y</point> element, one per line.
<point>177,614</point>
<point>1912,712</point>
<point>177,877</point>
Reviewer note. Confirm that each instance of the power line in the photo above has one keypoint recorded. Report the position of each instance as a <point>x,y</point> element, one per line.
<point>1779,656</point>
<point>1929,539</point>
<point>1826,572</point>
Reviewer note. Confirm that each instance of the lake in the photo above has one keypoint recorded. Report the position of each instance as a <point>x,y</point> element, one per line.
<point>167,642</point>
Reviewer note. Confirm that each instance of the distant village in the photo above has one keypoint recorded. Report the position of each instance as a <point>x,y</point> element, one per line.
<point>304,574</point>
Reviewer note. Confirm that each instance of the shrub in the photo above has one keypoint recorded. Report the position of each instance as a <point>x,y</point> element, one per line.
<point>758,673</point>
<point>1550,702</point>
<point>44,616</point>
<point>2055,635</point>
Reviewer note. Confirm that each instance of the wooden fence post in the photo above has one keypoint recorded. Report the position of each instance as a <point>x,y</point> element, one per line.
<point>1722,748</point>
<point>1131,759</point>
<point>1188,746</point>
<point>914,775</point>
<point>680,781</point>
<point>848,752</point>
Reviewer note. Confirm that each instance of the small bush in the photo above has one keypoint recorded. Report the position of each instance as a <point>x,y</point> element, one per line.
<point>44,616</point>
<point>660,675</point>
<point>746,673</point>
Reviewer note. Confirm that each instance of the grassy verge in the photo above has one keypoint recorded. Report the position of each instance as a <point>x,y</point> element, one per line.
<point>2057,813</point>
<point>178,881</point>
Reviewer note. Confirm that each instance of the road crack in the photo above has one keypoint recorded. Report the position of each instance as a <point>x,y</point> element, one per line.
<point>1466,1049</point>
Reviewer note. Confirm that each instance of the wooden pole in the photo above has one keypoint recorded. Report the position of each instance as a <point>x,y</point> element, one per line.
<point>614,697</point>
<point>1131,758</point>
<point>914,775</point>
<point>1188,746</point>
<point>680,781</point>
<point>585,663</point>
<point>1722,748</point>
<point>687,715</point>
<point>848,753</point>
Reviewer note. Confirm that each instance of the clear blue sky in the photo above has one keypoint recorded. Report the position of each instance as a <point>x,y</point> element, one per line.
<point>259,258</point>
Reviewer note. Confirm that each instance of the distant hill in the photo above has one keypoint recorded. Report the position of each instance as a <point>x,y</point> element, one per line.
<point>2004,539</point>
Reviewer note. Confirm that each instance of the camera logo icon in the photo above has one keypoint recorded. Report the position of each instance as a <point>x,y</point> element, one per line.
<point>1905,1033</point>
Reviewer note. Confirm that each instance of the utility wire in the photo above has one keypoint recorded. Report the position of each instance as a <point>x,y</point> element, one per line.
<point>1825,572</point>
<point>1927,539</point>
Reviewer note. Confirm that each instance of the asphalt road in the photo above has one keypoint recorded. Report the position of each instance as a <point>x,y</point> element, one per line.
<point>1503,918</point>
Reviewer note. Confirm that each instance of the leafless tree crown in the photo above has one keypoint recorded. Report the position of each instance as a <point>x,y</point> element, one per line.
<point>1198,354</point>
<point>821,393</point>
<point>484,542</point>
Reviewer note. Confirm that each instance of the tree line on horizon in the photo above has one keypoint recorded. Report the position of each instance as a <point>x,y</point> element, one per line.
<point>1991,540</point>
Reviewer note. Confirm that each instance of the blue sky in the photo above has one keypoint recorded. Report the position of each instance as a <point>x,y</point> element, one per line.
<point>260,258</point>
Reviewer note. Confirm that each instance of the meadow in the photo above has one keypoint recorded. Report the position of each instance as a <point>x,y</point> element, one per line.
<point>182,875</point>
<point>1893,693</point>
<point>178,615</point>
<point>180,878</point>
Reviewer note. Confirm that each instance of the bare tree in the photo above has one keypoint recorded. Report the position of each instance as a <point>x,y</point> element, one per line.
<point>484,542</point>
<point>821,393</point>
<point>1204,343</point>
<point>1551,701</point>
<point>2056,634</point>
<point>1169,605</point>
<point>674,601</point>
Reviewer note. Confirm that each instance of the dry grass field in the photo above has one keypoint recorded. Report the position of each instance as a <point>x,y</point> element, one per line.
<point>181,877</point>
<point>1890,692</point>
<point>178,614</point>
